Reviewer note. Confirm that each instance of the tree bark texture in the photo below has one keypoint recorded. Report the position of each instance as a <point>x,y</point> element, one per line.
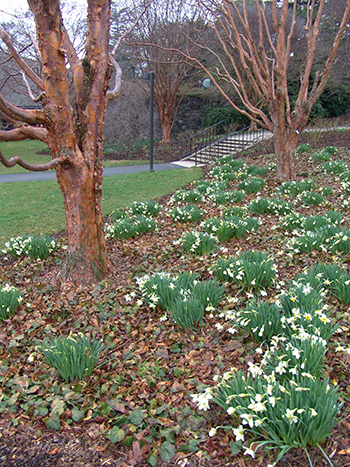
<point>76,134</point>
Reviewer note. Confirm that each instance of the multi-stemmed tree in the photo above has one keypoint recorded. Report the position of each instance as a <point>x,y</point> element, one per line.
<point>254,60</point>
<point>73,93</point>
<point>165,27</point>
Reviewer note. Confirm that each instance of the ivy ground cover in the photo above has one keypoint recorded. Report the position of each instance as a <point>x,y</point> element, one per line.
<point>225,310</point>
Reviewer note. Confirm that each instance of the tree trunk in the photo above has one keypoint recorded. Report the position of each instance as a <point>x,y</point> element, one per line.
<point>77,135</point>
<point>87,253</point>
<point>285,142</point>
<point>166,131</point>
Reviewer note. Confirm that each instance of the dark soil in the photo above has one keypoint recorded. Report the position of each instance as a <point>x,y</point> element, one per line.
<point>26,441</point>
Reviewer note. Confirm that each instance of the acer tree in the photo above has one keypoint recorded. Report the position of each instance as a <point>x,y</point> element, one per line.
<point>253,63</point>
<point>73,93</point>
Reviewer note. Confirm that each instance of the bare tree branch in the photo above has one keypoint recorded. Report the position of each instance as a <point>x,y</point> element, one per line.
<point>118,79</point>
<point>126,33</point>
<point>24,132</point>
<point>31,95</point>
<point>21,63</point>
<point>74,62</point>
<point>35,45</point>
<point>31,116</point>
<point>34,168</point>
<point>315,94</point>
<point>10,120</point>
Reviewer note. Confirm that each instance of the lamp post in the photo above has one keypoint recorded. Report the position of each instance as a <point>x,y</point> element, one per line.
<point>150,76</point>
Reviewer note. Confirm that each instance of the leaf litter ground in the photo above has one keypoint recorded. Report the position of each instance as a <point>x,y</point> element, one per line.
<point>136,408</point>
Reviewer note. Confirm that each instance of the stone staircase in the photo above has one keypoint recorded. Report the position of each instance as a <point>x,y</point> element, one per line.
<point>207,152</point>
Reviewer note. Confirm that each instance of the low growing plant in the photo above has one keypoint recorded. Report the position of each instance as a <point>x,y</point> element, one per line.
<point>239,211</point>
<point>335,167</point>
<point>293,188</point>
<point>223,172</point>
<point>187,213</point>
<point>312,198</point>
<point>302,148</point>
<point>254,170</point>
<point>300,296</point>
<point>119,214</point>
<point>323,156</point>
<point>251,269</point>
<point>327,191</point>
<point>340,287</point>
<point>10,299</point>
<point>126,228</point>
<point>36,247</point>
<point>74,356</point>
<point>187,196</point>
<point>198,243</point>
<point>321,276</point>
<point>313,223</point>
<point>144,224</point>
<point>207,187</point>
<point>163,289</point>
<point>295,414</point>
<point>292,221</point>
<point>270,205</point>
<point>279,207</point>
<point>230,227</point>
<point>305,315</point>
<point>259,206</point>
<point>345,176</point>
<point>339,241</point>
<point>224,197</point>
<point>252,185</point>
<point>262,320</point>
<point>307,242</point>
<point>210,293</point>
<point>289,358</point>
<point>145,208</point>
<point>236,164</point>
<point>187,313</point>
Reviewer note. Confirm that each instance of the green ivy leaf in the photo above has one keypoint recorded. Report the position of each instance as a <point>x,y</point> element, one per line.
<point>57,407</point>
<point>77,414</point>
<point>175,348</point>
<point>167,451</point>
<point>41,411</point>
<point>116,434</point>
<point>128,441</point>
<point>53,422</point>
<point>153,459</point>
<point>235,447</point>
<point>136,417</point>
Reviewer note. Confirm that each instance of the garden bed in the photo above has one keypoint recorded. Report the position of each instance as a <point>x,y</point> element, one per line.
<point>136,407</point>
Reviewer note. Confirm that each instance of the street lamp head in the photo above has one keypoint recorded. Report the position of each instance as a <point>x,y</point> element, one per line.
<point>148,75</point>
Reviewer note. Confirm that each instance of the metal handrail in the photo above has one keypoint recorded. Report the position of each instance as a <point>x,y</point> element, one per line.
<point>202,131</point>
<point>187,147</point>
<point>192,148</point>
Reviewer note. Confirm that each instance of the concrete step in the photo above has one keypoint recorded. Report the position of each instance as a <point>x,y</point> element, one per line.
<point>227,146</point>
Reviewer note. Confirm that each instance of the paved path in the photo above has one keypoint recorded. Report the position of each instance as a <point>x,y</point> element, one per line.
<point>127,169</point>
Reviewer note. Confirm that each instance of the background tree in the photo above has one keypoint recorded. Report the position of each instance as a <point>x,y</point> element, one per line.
<point>263,62</point>
<point>335,99</point>
<point>168,25</point>
<point>74,133</point>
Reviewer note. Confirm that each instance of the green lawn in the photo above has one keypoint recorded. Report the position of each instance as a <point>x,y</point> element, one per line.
<point>27,150</point>
<point>37,207</point>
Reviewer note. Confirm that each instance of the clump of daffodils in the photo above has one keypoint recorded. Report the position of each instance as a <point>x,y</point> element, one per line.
<point>10,299</point>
